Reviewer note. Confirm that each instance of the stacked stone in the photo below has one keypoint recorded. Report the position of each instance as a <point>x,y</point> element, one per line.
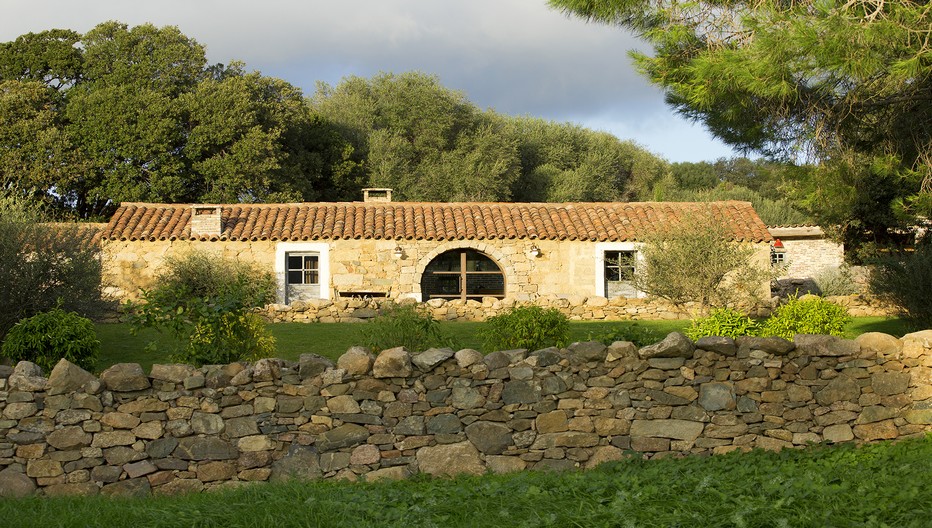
<point>577,308</point>
<point>440,412</point>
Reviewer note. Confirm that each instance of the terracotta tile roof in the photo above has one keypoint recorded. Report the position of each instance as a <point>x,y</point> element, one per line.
<point>599,221</point>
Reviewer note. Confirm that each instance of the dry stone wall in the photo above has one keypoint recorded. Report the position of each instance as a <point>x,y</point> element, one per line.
<point>577,308</point>
<point>440,412</point>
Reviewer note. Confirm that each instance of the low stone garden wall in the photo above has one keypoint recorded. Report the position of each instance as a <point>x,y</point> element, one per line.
<point>440,412</point>
<point>576,308</point>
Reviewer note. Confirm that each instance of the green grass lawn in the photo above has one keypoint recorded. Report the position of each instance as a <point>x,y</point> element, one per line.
<point>879,485</point>
<point>333,339</point>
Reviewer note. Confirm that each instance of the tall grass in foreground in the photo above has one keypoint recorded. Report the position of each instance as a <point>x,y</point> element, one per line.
<point>880,485</point>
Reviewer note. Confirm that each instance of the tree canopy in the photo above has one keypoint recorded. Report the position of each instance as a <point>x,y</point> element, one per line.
<point>137,114</point>
<point>845,84</point>
<point>429,142</point>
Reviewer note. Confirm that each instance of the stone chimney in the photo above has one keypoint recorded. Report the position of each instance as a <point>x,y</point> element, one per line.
<point>376,195</point>
<point>205,220</point>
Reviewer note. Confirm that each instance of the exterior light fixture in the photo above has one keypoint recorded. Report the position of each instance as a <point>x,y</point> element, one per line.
<point>777,253</point>
<point>534,251</point>
<point>398,252</point>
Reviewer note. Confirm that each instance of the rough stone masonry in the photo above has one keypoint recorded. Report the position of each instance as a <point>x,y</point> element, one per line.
<point>185,429</point>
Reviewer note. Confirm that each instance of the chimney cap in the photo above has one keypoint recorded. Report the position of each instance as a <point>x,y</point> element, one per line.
<point>376,194</point>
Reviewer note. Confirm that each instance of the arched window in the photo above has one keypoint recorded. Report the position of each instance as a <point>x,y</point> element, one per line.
<point>462,274</point>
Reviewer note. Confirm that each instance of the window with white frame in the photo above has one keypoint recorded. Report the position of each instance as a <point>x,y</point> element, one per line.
<point>303,268</point>
<point>616,264</point>
<point>619,269</point>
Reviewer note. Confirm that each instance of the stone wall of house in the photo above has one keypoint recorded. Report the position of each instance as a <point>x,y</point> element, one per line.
<point>562,269</point>
<point>440,412</point>
<point>808,257</point>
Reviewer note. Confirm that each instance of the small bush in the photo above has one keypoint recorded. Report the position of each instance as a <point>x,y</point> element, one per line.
<point>836,281</point>
<point>529,327</point>
<point>806,315</point>
<point>639,335</point>
<point>231,337</point>
<point>47,337</point>
<point>206,300</point>
<point>404,325</point>
<point>44,265</point>
<point>725,322</point>
<point>905,280</point>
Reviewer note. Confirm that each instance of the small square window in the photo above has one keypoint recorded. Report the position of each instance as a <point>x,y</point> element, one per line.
<point>303,269</point>
<point>619,265</point>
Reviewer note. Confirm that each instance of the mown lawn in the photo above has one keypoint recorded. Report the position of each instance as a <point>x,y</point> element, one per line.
<point>880,485</point>
<point>331,340</point>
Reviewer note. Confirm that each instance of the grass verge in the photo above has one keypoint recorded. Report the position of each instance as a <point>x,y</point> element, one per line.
<point>879,485</point>
<point>333,339</point>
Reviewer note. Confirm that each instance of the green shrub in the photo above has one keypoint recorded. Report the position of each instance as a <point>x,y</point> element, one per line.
<point>836,281</point>
<point>206,301</point>
<point>806,315</point>
<point>47,337</point>
<point>231,337</point>
<point>404,325</point>
<point>44,265</point>
<point>529,327</point>
<point>904,279</point>
<point>725,322</point>
<point>633,332</point>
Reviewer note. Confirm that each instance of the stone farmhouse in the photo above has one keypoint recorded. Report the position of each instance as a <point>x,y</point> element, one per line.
<point>409,250</point>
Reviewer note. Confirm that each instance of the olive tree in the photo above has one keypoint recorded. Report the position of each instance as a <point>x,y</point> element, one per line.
<point>699,261</point>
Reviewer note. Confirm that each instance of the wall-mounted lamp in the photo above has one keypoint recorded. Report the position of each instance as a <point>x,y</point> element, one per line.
<point>398,252</point>
<point>534,251</point>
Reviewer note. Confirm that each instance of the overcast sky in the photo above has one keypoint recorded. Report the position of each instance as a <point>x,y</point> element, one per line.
<point>517,57</point>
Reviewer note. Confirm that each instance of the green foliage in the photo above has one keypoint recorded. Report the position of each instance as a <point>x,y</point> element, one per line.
<point>44,265</point>
<point>724,322</point>
<point>837,281</point>
<point>205,300</point>
<point>843,84</point>
<point>806,315</point>
<point>405,325</point>
<point>700,262</point>
<point>774,212</point>
<point>136,114</point>
<point>48,337</point>
<point>530,327</point>
<point>637,333</point>
<point>905,280</point>
<point>232,336</point>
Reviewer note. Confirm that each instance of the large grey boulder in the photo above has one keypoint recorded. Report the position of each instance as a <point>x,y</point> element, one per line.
<point>430,358</point>
<point>356,361</point>
<point>392,363</point>
<point>450,460</point>
<point>67,377</point>
<point>674,345</point>
<point>27,377</point>
<point>125,377</point>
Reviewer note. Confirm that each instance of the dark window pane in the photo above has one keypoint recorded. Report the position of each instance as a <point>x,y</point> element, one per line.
<point>294,277</point>
<point>612,273</point>
<point>294,262</point>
